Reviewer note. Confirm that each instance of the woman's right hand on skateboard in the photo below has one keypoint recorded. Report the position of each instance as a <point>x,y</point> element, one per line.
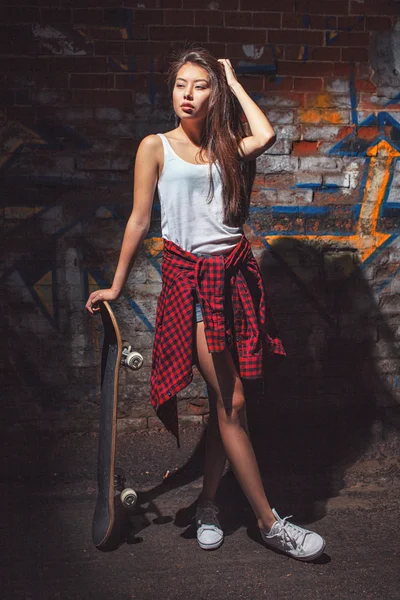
<point>99,296</point>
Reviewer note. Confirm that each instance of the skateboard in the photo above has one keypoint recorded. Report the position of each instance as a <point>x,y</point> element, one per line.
<point>113,498</point>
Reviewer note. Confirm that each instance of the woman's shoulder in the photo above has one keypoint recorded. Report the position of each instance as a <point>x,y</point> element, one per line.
<point>151,142</point>
<point>150,149</point>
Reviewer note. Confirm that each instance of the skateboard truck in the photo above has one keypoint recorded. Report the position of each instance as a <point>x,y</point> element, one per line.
<point>131,358</point>
<point>127,495</point>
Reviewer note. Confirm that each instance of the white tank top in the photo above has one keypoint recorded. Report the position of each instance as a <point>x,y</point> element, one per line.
<point>187,219</point>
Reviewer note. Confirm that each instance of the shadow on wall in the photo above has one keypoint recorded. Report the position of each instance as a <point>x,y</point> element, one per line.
<point>327,402</point>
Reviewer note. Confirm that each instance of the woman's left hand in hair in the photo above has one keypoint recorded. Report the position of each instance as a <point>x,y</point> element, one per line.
<point>229,71</point>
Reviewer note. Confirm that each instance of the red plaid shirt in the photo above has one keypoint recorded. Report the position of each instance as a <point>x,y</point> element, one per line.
<point>231,294</point>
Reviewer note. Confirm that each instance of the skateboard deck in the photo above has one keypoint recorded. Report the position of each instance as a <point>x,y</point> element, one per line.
<point>112,496</point>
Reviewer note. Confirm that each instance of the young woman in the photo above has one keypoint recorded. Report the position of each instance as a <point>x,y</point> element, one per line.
<point>211,311</point>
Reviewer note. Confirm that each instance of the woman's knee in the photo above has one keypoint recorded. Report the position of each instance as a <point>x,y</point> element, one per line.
<point>230,409</point>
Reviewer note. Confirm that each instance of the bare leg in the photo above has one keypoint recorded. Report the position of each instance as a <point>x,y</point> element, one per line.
<point>227,399</point>
<point>215,456</point>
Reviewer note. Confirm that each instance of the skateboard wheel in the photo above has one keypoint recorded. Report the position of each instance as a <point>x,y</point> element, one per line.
<point>134,360</point>
<point>129,497</point>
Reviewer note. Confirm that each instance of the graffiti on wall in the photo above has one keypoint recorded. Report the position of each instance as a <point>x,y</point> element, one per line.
<point>375,139</point>
<point>371,224</point>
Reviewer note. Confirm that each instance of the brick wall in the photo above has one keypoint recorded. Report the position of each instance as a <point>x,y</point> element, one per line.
<point>82,83</point>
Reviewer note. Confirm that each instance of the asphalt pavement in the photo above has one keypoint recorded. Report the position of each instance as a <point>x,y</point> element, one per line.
<point>48,494</point>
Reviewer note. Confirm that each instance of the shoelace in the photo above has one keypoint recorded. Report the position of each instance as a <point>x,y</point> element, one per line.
<point>290,532</point>
<point>207,515</point>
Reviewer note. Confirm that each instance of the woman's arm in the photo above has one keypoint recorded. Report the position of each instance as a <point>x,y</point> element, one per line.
<point>147,165</point>
<point>263,134</point>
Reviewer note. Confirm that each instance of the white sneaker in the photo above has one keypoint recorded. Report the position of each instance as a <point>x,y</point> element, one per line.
<point>296,541</point>
<point>209,533</point>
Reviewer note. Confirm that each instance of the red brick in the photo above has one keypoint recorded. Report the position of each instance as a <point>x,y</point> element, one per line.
<point>26,46</point>
<point>141,64</point>
<point>373,7</point>
<point>23,64</point>
<point>269,5</point>
<point>268,20</point>
<point>133,48</point>
<point>53,16</point>
<point>139,82</point>
<point>32,2</point>
<point>88,3</point>
<point>353,23</point>
<point>365,85</point>
<point>305,69</point>
<point>294,52</point>
<point>351,38</point>
<point>91,16</point>
<point>154,63</point>
<point>355,54</point>
<point>14,15</point>
<point>295,21</point>
<point>279,51</point>
<point>130,81</point>
<point>379,23</point>
<point>301,21</point>
<point>323,53</point>
<point>150,4</point>
<point>77,64</point>
<point>198,34</point>
<point>23,114</point>
<point>167,4</point>
<point>234,35</point>
<point>16,39</point>
<point>140,32</point>
<point>58,80</point>
<point>217,49</point>
<point>308,84</point>
<point>323,22</point>
<point>178,17</point>
<point>104,33</point>
<point>109,48</point>
<point>287,36</point>
<point>274,83</point>
<point>251,83</point>
<point>222,4</point>
<point>238,19</point>
<point>92,81</point>
<point>149,17</point>
<point>342,69</point>
<point>367,133</point>
<point>304,148</point>
<point>327,7</point>
<point>115,99</point>
<point>209,18</point>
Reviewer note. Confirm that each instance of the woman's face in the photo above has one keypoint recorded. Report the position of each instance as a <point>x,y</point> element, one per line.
<point>191,93</point>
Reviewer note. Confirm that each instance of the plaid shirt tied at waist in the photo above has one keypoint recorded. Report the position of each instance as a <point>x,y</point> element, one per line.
<point>231,295</point>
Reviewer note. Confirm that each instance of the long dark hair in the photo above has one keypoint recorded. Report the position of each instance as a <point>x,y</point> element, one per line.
<point>222,132</point>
